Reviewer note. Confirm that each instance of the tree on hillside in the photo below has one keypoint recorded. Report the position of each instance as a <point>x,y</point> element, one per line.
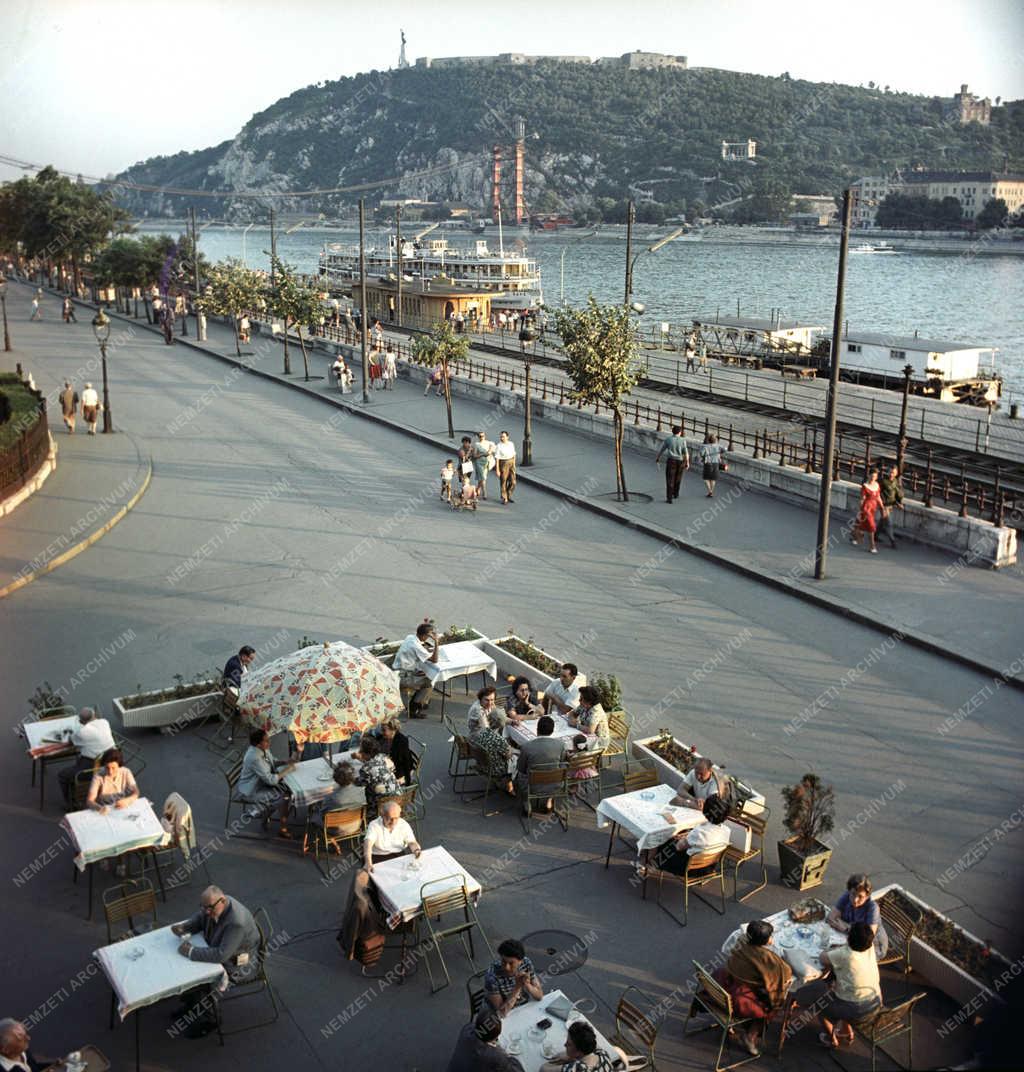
<point>296,304</point>
<point>602,359</point>
<point>232,290</point>
<point>993,214</point>
<point>442,347</point>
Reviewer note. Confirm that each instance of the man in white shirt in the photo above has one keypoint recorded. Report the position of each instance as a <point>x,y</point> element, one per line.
<point>92,737</point>
<point>563,694</point>
<point>14,1051</point>
<point>505,457</point>
<point>388,835</point>
<point>700,783</point>
<point>417,648</point>
<point>90,407</point>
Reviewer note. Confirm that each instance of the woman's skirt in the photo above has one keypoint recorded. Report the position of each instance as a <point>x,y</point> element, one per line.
<point>710,471</point>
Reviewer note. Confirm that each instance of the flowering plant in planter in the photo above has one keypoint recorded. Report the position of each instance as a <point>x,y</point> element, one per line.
<point>681,756</point>
<point>530,653</point>
<point>199,686</point>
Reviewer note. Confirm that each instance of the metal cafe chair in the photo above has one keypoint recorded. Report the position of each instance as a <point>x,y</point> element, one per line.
<point>436,905</point>
<point>704,867</point>
<point>889,1023</point>
<point>258,984</point>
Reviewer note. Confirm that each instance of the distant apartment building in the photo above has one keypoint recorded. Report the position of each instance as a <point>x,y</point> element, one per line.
<point>739,150</point>
<point>971,109</point>
<point>973,189</point>
<point>633,61</point>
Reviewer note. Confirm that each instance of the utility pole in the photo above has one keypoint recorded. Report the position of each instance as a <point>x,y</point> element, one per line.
<point>901,446</point>
<point>200,333</point>
<point>630,217</point>
<point>273,253</point>
<point>362,301</point>
<point>825,503</point>
<point>398,243</point>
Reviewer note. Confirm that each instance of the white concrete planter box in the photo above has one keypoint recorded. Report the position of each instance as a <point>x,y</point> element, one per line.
<point>937,969</point>
<point>178,712</point>
<point>510,665</point>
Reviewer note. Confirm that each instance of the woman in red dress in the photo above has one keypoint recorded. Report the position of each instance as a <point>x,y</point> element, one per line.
<point>870,502</point>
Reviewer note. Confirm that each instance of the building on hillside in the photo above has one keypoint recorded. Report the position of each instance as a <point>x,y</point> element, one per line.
<point>739,150</point>
<point>503,59</point>
<point>973,189</point>
<point>971,109</point>
<point>644,61</point>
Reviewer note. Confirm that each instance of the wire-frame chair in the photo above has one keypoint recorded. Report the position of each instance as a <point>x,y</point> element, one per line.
<point>716,1001</point>
<point>704,867</point>
<point>183,843</point>
<point>80,789</point>
<point>580,783</point>
<point>494,775</point>
<point>418,753</point>
<point>338,826</point>
<point>635,1032</point>
<point>406,800</point>
<point>130,752</point>
<point>548,781</point>
<point>889,1023</point>
<point>620,726</point>
<point>900,926</point>
<point>460,758</point>
<point>434,905</point>
<point>475,992</point>
<point>259,983</point>
<point>127,902</point>
<point>756,824</point>
<point>232,772</point>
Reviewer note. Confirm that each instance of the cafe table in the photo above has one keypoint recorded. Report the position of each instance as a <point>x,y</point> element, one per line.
<point>97,837</point>
<point>48,743</point>
<point>527,731</point>
<point>460,659</point>
<point>799,944</point>
<point>524,1040</point>
<point>148,968</point>
<point>313,780</point>
<point>93,1058</point>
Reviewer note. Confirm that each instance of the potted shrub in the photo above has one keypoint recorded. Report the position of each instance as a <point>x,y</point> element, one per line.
<point>611,692</point>
<point>514,656</point>
<point>810,813</point>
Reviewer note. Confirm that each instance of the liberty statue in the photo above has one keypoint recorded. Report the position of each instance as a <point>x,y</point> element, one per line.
<point>402,61</point>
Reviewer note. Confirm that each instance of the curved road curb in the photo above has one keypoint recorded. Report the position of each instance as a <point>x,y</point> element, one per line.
<point>93,537</point>
<point>918,640</point>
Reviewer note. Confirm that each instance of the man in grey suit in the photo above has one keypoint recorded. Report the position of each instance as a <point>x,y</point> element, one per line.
<point>542,750</point>
<point>232,940</point>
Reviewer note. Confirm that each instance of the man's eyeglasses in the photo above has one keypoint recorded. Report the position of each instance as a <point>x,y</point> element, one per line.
<point>211,907</point>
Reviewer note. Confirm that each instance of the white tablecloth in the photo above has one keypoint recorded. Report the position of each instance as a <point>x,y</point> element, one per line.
<point>313,781</point>
<point>160,972</point>
<point>530,1050</point>
<point>455,660</point>
<point>643,817</point>
<point>97,837</point>
<point>527,731</point>
<point>35,732</point>
<point>800,945</point>
<point>399,888</point>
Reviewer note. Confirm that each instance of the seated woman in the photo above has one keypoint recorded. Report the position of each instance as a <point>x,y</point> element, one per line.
<point>486,724</point>
<point>582,1053</point>
<point>758,980</point>
<point>674,855</point>
<point>857,906</point>
<point>485,713</point>
<point>377,774</point>
<point>394,744</point>
<point>113,786</point>
<point>856,987</point>
<point>590,716</point>
<point>347,794</point>
<point>523,702</point>
<point>260,781</point>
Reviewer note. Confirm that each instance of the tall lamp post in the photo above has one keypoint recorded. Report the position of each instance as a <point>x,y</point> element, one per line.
<point>653,248</point>
<point>527,336</point>
<point>3,302</point>
<point>101,329</point>
<point>901,446</point>
<point>363,347</point>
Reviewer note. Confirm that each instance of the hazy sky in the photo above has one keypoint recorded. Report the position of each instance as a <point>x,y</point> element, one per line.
<point>97,85</point>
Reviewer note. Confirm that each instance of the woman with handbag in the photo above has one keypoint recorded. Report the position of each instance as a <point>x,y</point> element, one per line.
<point>712,457</point>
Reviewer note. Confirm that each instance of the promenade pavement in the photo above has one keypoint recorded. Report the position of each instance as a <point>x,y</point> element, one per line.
<point>272,516</point>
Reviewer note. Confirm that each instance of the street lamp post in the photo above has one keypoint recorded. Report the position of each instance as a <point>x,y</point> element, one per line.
<point>632,259</point>
<point>3,302</point>
<point>901,446</point>
<point>101,329</point>
<point>527,336</point>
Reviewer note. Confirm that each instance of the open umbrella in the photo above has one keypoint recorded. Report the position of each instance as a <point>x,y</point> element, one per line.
<point>323,693</point>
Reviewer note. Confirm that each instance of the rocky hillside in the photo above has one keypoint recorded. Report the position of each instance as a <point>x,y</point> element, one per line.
<point>594,135</point>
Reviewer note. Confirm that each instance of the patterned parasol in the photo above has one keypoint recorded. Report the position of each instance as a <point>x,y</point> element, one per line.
<point>323,693</point>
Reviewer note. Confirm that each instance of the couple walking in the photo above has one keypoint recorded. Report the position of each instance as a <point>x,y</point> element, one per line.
<point>677,461</point>
<point>69,406</point>
<point>878,499</point>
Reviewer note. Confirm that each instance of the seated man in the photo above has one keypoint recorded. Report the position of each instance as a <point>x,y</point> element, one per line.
<point>260,781</point>
<point>388,836</point>
<point>700,783</point>
<point>477,1049</point>
<point>761,974</point>
<point>238,665</point>
<point>92,737</point>
<point>511,980</point>
<point>563,694</point>
<point>417,648</point>
<point>232,940</point>
<point>675,854</point>
<point>14,1051</point>
<point>541,751</point>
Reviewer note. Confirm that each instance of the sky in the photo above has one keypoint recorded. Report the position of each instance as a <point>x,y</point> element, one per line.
<point>93,86</point>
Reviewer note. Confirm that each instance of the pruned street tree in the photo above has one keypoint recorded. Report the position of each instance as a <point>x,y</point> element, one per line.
<point>443,349</point>
<point>295,303</point>
<point>231,290</point>
<point>603,361</point>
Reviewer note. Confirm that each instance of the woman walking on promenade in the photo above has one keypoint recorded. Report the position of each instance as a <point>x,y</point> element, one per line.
<point>870,501</point>
<point>712,458</point>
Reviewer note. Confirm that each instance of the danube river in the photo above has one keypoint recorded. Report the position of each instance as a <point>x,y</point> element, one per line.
<point>974,300</point>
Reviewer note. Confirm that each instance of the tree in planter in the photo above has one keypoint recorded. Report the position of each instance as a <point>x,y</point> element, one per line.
<point>231,290</point>
<point>611,692</point>
<point>442,347</point>
<point>602,359</point>
<point>810,814</point>
<point>296,304</point>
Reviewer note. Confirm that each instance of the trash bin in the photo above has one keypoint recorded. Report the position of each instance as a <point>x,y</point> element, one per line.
<point>1014,410</point>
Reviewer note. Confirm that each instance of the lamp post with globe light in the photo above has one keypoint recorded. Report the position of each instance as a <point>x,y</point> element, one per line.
<point>101,329</point>
<point>527,336</point>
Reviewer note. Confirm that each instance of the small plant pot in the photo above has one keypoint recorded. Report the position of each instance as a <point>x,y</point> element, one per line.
<point>802,870</point>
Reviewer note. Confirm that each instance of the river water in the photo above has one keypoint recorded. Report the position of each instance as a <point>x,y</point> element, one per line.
<point>976,300</point>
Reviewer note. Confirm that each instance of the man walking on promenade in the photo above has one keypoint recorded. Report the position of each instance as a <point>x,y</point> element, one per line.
<point>892,499</point>
<point>677,462</point>
<point>37,305</point>
<point>69,406</point>
<point>505,456</point>
<point>90,407</point>
<point>69,312</point>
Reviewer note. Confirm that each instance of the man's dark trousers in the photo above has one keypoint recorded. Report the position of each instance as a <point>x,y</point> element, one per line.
<point>674,470</point>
